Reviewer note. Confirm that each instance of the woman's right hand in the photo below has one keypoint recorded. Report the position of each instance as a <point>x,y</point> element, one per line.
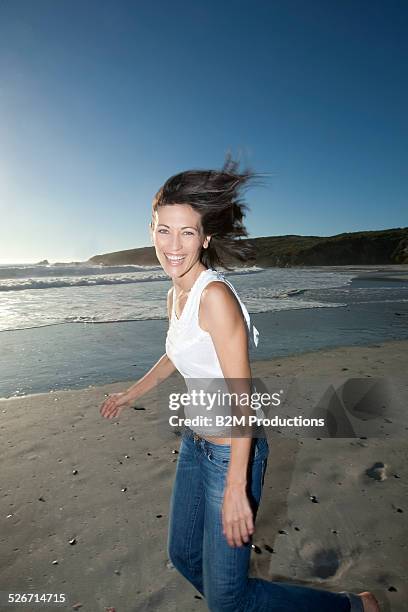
<point>114,405</point>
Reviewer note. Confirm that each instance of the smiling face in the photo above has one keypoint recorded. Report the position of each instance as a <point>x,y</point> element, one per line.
<point>178,238</point>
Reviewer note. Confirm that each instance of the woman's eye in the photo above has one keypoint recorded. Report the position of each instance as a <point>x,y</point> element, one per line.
<point>162,231</point>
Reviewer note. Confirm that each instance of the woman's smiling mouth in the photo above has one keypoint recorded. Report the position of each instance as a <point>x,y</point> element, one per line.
<point>175,260</point>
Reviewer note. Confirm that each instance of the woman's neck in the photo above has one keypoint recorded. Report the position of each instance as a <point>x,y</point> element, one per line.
<point>184,283</point>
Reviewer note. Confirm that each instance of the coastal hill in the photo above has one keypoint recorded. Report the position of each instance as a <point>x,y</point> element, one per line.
<point>356,248</point>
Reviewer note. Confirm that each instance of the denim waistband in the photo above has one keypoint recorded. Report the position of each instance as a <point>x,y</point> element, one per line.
<point>187,432</point>
<point>260,446</point>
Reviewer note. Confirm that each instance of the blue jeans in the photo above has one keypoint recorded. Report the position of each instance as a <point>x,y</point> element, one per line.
<point>199,550</point>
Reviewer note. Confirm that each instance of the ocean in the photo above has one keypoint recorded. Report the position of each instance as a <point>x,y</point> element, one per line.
<point>75,325</point>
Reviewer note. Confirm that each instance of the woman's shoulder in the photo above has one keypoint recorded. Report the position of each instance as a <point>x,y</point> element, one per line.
<point>215,289</point>
<point>218,300</point>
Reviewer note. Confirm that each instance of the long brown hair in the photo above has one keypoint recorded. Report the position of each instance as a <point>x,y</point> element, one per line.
<point>215,195</point>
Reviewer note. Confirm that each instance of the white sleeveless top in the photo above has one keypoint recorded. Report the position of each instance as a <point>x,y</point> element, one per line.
<point>192,350</point>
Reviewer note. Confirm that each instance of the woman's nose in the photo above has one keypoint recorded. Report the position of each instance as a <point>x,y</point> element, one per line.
<point>175,243</point>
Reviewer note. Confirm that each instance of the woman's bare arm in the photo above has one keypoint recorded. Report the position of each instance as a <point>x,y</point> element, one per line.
<point>116,402</point>
<point>221,316</point>
<point>161,370</point>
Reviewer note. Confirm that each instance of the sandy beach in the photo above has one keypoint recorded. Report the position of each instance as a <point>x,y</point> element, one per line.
<point>85,500</point>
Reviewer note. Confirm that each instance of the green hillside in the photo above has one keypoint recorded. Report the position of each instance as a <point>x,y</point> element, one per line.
<point>357,248</point>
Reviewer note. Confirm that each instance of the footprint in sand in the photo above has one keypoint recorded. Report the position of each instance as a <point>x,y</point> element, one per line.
<point>324,562</point>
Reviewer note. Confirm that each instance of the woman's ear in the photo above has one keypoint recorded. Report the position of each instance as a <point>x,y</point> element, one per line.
<point>206,242</point>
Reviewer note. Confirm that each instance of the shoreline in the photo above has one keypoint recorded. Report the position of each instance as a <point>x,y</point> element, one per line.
<point>76,356</point>
<point>256,365</point>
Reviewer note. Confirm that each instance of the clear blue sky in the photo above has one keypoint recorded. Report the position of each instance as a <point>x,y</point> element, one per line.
<point>101,101</point>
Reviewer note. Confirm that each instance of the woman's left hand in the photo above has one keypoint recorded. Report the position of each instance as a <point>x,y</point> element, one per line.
<point>237,516</point>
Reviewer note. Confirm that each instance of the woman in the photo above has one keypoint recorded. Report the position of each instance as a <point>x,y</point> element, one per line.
<point>196,221</point>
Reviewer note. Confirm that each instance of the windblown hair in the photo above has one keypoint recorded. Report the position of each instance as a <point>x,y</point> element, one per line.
<point>215,195</point>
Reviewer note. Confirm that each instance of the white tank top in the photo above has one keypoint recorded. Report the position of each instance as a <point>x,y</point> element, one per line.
<point>192,350</point>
